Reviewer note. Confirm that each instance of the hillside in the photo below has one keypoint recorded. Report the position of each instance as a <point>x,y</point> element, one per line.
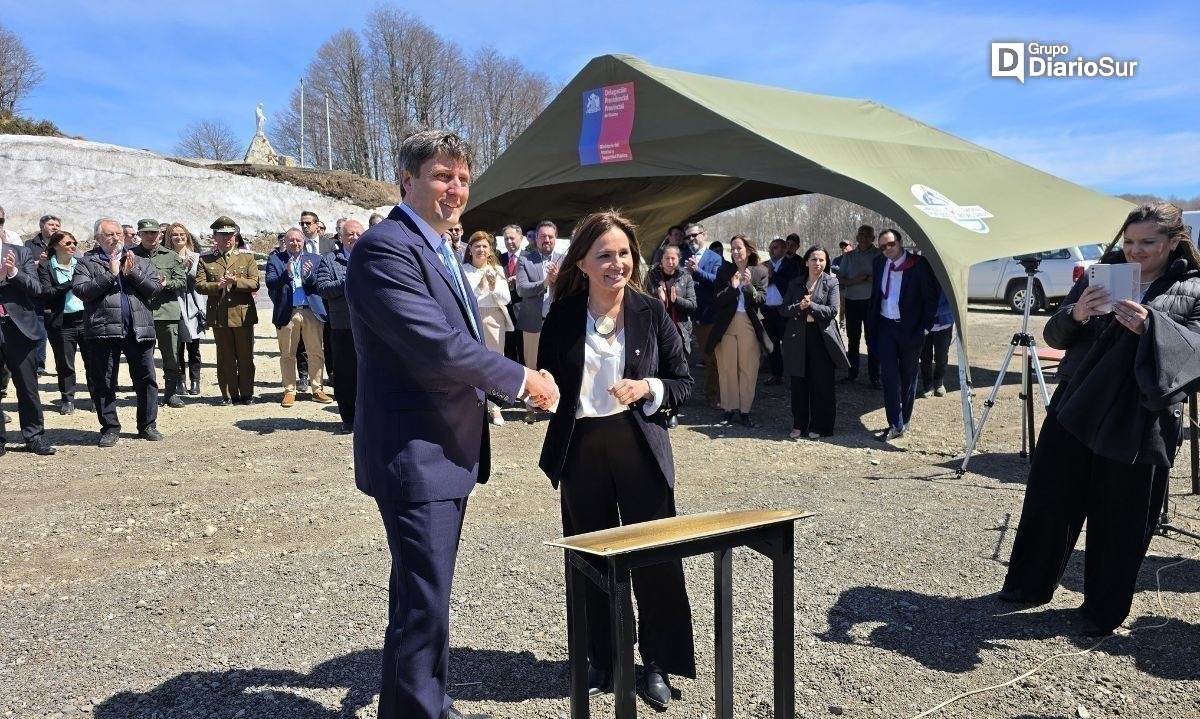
<point>81,181</point>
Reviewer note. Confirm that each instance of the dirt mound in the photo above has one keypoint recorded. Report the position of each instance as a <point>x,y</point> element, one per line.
<point>338,184</point>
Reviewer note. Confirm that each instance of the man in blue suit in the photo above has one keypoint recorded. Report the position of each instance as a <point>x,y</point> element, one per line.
<point>421,437</point>
<point>299,312</point>
<point>903,303</point>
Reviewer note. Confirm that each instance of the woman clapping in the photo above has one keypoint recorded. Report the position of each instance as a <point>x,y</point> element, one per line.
<point>483,275</point>
<point>812,346</point>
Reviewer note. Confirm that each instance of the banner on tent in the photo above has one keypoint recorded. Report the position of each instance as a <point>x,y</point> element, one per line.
<point>607,124</point>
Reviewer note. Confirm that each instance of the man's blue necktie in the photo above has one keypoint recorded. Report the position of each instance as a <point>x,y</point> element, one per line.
<point>452,267</point>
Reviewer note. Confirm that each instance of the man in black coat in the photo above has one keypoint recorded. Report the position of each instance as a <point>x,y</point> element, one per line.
<point>116,288</point>
<point>19,333</point>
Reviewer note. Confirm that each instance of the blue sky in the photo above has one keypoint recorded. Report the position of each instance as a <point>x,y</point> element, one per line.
<point>135,73</point>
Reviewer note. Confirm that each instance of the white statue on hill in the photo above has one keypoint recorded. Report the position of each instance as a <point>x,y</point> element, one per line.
<point>260,118</point>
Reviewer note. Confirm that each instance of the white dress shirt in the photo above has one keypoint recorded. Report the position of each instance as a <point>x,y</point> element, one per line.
<point>890,307</point>
<point>604,366</point>
<point>774,298</point>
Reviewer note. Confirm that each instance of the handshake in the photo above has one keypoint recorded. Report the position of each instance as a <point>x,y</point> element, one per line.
<point>540,389</point>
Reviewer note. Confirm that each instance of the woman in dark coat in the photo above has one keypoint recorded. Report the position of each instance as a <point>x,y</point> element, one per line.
<point>1114,424</point>
<point>619,363</point>
<point>812,346</point>
<point>737,338</point>
<point>64,317</point>
<point>677,291</point>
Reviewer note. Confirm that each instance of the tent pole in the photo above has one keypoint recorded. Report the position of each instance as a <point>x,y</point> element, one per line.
<point>964,390</point>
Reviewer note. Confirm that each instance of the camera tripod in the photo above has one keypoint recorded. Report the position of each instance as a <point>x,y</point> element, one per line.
<point>1164,517</point>
<point>1029,368</point>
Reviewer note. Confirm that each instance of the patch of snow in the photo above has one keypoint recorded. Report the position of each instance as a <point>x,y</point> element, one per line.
<point>82,181</point>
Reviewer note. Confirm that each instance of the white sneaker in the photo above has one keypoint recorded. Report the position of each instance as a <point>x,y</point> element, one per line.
<point>496,418</point>
<point>939,391</point>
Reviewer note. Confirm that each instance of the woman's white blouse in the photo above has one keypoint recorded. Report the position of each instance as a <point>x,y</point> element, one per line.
<point>604,366</point>
<point>498,297</point>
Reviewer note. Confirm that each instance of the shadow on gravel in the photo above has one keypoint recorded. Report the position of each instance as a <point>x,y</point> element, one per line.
<point>270,425</point>
<point>505,676</point>
<point>255,692</point>
<point>950,634</point>
<point>1004,467</point>
<point>475,674</point>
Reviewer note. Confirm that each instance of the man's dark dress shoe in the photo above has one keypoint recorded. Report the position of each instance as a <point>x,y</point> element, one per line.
<point>748,422</point>
<point>174,402</point>
<point>108,439</point>
<point>672,422</point>
<point>599,682</point>
<point>656,690</point>
<point>67,406</point>
<point>150,433</point>
<point>38,445</point>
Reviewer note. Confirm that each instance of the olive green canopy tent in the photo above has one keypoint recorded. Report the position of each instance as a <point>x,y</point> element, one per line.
<point>665,146</point>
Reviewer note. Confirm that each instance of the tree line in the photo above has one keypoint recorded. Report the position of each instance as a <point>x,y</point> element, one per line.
<point>397,76</point>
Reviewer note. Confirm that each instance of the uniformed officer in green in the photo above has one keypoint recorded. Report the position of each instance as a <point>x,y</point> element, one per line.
<point>229,278</point>
<point>164,305</point>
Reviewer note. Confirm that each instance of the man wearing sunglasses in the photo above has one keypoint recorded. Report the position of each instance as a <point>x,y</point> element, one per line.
<point>903,305</point>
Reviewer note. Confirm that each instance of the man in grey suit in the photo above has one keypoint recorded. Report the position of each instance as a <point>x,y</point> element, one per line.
<point>536,272</point>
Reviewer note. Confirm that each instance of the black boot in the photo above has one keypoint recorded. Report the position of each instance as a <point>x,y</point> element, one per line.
<point>194,390</point>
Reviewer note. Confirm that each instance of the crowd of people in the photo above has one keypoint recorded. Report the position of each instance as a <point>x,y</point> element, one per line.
<point>138,288</point>
<point>135,289</point>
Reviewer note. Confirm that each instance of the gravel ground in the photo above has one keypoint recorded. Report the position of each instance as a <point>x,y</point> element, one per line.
<point>234,571</point>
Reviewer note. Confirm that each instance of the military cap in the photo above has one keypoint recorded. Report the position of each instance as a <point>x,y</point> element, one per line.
<point>223,224</point>
<point>147,226</point>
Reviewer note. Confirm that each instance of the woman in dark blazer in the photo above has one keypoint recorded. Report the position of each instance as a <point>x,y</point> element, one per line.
<point>619,364</point>
<point>64,316</point>
<point>737,337</point>
<point>812,346</point>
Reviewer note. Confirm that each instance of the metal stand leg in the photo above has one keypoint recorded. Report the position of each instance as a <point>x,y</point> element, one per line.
<point>784,624</point>
<point>723,630</point>
<point>577,640</point>
<point>620,606</point>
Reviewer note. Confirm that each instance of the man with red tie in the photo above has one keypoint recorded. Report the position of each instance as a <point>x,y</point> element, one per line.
<point>904,296</point>
<point>509,259</point>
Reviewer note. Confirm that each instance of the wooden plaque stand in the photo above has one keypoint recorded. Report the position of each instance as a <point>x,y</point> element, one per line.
<point>606,558</point>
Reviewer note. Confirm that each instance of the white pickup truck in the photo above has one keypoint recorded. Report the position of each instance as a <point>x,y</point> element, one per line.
<point>1003,280</point>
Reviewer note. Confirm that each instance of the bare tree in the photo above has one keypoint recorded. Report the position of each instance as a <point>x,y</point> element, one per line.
<point>397,77</point>
<point>19,72</point>
<point>208,140</point>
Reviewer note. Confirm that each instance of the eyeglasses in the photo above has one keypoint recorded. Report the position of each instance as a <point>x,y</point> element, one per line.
<point>68,243</point>
<point>456,230</point>
<point>886,245</point>
<point>694,235</point>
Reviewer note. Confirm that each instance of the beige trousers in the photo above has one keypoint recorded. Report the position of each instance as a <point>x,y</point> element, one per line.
<point>493,327</point>
<point>530,341</point>
<point>303,324</point>
<point>737,362</point>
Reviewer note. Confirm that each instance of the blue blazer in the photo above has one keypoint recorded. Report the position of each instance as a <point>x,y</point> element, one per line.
<point>918,297</point>
<point>279,286</point>
<point>420,424</point>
